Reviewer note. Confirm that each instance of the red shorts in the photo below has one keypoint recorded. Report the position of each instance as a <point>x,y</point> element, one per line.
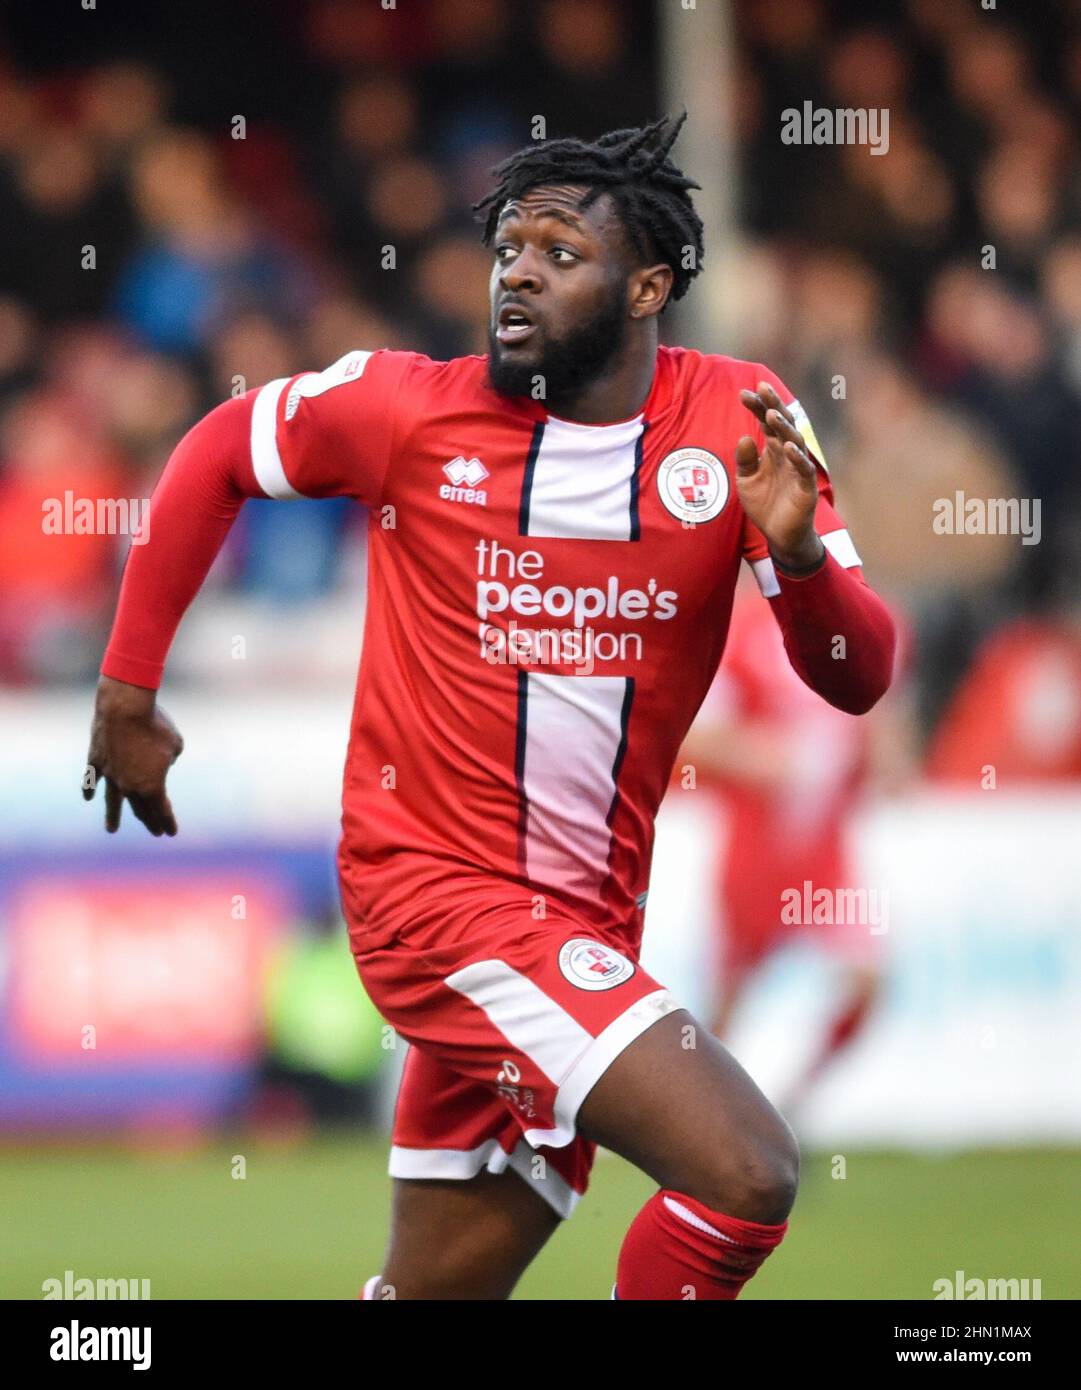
<point>511,1023</point>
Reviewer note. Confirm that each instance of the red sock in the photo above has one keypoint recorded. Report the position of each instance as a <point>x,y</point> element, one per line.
<point>677,1248</point>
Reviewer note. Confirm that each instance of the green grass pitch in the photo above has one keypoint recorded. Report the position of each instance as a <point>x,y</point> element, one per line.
<point>309,1222</point>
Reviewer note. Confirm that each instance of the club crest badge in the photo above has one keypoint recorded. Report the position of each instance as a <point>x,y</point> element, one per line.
<point>591,965</point>
<point>693,485</point>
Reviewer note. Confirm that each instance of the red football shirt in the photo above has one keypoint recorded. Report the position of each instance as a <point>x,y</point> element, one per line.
<point>548,602</point>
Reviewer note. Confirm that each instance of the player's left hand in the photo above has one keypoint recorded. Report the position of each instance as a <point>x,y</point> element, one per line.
<point>778,488</point>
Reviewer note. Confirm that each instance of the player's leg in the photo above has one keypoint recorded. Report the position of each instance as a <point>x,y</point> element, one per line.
<point>463,1240</point>
<point>679,1106</point>
<point>573,1042</point>
<point>473,1203</point>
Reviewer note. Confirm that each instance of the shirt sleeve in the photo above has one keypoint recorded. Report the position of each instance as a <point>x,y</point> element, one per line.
<point>319,434</point>
<point>828,523</point>
<point>330,433</point>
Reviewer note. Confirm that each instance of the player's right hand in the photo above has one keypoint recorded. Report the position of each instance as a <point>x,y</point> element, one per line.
<point>133,744</point>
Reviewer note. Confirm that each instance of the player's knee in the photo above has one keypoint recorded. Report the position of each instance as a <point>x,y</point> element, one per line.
<point>756,1183</point>
<point>768,1189</point>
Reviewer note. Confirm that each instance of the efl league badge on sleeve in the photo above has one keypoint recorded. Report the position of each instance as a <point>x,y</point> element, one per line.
<point>693,485</point>
<point>589,965</point>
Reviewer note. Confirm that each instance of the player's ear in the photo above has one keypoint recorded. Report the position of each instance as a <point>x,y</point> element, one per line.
<point>649,289</point>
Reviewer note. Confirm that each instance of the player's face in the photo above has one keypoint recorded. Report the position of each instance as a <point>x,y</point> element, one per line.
<point>559,297</point>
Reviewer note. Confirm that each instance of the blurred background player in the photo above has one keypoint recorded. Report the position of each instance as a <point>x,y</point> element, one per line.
<point>784,774</point>
<point>1016,714</point>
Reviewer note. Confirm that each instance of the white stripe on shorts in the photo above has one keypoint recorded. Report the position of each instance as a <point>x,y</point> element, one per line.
<point>602,1052</point>
<point>555,1042</point>
<point>528,1018</point>
<point>463,1164</point>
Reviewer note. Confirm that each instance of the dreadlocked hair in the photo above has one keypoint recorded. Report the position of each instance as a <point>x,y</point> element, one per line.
<point>632,165</point>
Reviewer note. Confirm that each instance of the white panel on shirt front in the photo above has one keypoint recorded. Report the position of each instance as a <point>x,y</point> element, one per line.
<point>583,476</point>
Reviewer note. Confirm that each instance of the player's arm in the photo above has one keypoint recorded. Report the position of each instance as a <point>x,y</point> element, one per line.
<point>292,438</point>
<point>838,633</point>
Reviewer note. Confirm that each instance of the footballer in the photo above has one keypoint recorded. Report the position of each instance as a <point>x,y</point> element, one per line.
<point>555,533</point>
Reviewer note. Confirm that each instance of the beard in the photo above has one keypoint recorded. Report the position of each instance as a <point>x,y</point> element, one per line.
<point>566,365</point>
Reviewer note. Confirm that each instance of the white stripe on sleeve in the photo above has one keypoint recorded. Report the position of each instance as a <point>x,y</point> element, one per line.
<point>838,543</point>
<point>266,461</point>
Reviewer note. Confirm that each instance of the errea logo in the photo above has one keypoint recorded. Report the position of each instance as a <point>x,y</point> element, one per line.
<point>464,475</point>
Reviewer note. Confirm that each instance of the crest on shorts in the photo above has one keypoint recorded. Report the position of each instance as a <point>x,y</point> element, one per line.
<point>589,965</point>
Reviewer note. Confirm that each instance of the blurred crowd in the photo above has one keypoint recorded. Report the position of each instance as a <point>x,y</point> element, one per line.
<point>925,304</point>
